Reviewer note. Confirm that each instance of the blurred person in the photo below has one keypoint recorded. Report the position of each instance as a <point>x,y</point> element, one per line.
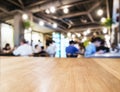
<point>7,49</point>
<point>43,52</point>
<point>91,48</point>
<point>40,43</point>
<point>54,46</point>
<point>37,49</point>
<point>103,47</point>
<point>71,50</point>
<point>76,44</point>
<point>113,48</point>
<point>51,49</point>
<point>81,48</point>
<point>24,49</point>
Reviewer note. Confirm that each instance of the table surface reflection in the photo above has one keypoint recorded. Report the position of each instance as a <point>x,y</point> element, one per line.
<point>35,74</point>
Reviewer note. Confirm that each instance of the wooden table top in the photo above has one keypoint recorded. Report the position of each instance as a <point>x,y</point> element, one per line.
<point>35,74</point>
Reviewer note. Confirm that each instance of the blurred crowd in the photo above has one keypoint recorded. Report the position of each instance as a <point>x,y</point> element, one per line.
<point>96,45</point>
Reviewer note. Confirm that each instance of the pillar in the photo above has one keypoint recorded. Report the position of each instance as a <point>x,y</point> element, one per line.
<point>0,38</point>
<point>18,29</point>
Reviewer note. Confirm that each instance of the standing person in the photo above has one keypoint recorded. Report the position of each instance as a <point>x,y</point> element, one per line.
<point>24,49</point>
<point>55,47</point>
<point>71,50</point>
<point>91,48</point>
<point>40,43</point>
<point>51,50</point>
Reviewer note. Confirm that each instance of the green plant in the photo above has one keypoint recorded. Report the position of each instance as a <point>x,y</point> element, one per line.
<point>108,22</point>
<point>26,24</point>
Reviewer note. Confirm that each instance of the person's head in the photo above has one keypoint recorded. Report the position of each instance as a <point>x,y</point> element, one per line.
<point>42,47</point>
<point>7,45</point>
<point>97,41</point>
<point>36,46</point>
<point>39,41</point>
<point>71,42</point>
<point>23,41</point>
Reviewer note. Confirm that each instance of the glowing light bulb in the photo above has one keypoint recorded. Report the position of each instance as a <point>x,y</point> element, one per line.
<point>41,23</point>
<point>52,9</point>
<point>100,12</point>
<point>65,10</point>
<point>54,25</point>
<point>24,16</point>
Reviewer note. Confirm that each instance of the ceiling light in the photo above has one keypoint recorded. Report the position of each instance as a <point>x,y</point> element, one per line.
<point>41,23</point>
<point>69,34</point>
<point>52,9</point>
<point>103,20</point>
<point>78,34</point>
<point>54,25</point>
<point>100,12</point>
<point>47,11</point>
<point>88,31</point>
<point>84,39</point>
<point>53,33</point>
<point>30,29</point>
<point>104,30</point>
<point>85,33</point>
<point>73,36</point>
<point>65,10</point>
<point>24,16</point>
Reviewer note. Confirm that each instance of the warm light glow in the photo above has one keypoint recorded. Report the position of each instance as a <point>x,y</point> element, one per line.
<point>24,16</point>
<point>52,9</point>
<point>30,29</point>
<point>41,23</point>
<point>78,34</point>
<point>107,37</point>
<point>88,31</point>
<point>100,12</point>
<point>47,11</point>
<point>69,34</point>
<point>84,39</point>
<point>103,20</point>
<point>65,10</point>
<point>54,25</point>
<point>85,33</point>
<point>73,36</point>
<point>104,30</point>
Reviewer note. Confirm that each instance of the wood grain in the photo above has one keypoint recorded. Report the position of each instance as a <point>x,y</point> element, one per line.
<point>35,74</point>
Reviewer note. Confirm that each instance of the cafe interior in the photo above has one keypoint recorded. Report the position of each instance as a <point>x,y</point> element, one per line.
<point>59,45</point>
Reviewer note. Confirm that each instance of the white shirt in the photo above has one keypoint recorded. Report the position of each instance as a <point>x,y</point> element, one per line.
<point>51,49</point>
<point>40,44</point>
<point>23,50</point>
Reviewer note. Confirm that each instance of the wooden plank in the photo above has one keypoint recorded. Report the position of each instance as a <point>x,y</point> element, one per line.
<point>111,65</point>
<point>35,74</point>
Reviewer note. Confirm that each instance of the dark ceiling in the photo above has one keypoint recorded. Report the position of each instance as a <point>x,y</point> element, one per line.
<point>82,13</point>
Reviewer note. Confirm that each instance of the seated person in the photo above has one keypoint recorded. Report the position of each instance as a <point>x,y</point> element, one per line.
<point>91,48</point>
<point>113,48</point>
<point>43,52</point>
<point>37,50</point>
<point>103,47</point>
<point>71,50</point>
<point>81,48</point>
<point>51,49</point>
<point>7,49</point>
<point>23,50</point>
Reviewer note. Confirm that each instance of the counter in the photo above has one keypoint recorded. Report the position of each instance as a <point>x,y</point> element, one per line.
<point>35,74</point>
